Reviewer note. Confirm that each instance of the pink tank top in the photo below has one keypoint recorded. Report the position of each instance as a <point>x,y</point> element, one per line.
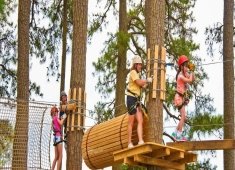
<point>56,126</point>
<point>181,85</point>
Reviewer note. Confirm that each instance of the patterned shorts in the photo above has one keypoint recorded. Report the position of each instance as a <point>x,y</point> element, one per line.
<point>57,140</point>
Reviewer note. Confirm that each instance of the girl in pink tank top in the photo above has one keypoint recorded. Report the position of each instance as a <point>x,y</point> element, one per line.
<point>57,139</point>
<point>183,79</point>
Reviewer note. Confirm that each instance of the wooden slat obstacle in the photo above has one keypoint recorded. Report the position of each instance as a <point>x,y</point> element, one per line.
<point>75,109</point>
<point>100,141</point>
<point>159,69</point>
<point>155,154</point>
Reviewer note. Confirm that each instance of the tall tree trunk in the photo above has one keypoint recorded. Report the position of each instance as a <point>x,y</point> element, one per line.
<point>154,18</point>
<point>120,107</point>
<point>20,143</point>
<point>78,79</point>
<point>64,46</point>
<point>228,68</point>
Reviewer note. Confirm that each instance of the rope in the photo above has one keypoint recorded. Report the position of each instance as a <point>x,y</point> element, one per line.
<point>201,125</point>
<point>204,64</point>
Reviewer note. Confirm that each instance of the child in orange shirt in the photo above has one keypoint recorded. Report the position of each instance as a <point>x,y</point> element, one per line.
<point>183,79</point>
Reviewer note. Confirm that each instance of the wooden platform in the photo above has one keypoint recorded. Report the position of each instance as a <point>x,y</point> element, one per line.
<point>155,154</point>
<point>204,145</point>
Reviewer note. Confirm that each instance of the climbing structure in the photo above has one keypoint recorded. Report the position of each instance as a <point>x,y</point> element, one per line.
<point>155,154</point>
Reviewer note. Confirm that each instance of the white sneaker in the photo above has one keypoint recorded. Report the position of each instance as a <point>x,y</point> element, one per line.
<point>130,145</point>
<point>141,142</point>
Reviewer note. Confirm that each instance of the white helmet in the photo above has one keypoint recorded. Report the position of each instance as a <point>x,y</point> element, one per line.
<point>136,59</point>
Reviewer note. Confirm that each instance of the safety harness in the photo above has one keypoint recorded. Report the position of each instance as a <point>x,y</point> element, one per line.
<point>54,134</point>
<point>185,99</point>
<point>138,103</point>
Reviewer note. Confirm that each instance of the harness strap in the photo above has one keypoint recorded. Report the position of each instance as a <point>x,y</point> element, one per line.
<point>138,97</point>
<point>185,99</point>
<point>58,142</point>
<point>182,95</point>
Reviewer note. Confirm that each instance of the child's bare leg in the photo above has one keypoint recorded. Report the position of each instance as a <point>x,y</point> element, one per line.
<point>60,154</point>
<point>131,119</point>
<point>55,159</point>
<point>139,117</point>
<point>182,120</point>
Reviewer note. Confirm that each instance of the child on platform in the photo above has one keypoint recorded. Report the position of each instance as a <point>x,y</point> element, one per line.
<point>183,79</point>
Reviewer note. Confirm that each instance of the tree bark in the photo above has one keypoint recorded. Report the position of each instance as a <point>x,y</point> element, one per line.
<point>228,71</point>
<point>20,144</point>
<point>78,79</point>
<point>154,18</point>
<point>64,46</point>
<point>120,107</point>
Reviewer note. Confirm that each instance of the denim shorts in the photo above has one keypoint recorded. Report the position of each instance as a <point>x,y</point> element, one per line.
<point>132,103</point>
<point>57,140</point>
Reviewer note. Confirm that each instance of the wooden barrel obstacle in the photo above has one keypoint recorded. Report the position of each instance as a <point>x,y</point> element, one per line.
<point>100,141</point>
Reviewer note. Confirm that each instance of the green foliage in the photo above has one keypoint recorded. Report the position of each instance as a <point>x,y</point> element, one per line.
<point>214,36</point>
<point>45,42</point>
<point>201,165</point>
<point>101,113</point>
<point>107,64</point>
<point>126,167</point>
<point>205,124</point>
<point>2,4</point>
<point>6,141</point>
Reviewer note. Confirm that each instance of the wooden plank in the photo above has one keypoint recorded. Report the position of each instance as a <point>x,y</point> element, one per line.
<point>175,156</point>
<point>148,62</point>
<point>204,145</point>
<point>84,109</point>
<point>158,162</point>
<point>155,72</point>
<point>73,115</point>
<point>188,158</point>
<point>130,161</point>
<point>148,70</point>
<point>163,73</point>
<point>79,110</point>
<point>69,115</point>
<point>161,152</point>
<point>140,149</point>
<point>68,107</point>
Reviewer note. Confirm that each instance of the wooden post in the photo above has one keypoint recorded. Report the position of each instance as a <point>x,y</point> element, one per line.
<point>79,109</point>
<point>163,73</point>
<point>68,115</point>
<point>73,115</point>
<point>148,70</point>
<point>155,67</point>
<point>84,110</point>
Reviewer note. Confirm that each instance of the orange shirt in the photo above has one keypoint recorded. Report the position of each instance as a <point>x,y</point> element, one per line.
<point>181,86</point>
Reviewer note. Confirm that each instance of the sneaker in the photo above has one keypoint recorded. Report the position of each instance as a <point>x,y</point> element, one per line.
<point>175,136</point>
<point>183,138</point>
<point>141,142</point>
<point>130,145</point>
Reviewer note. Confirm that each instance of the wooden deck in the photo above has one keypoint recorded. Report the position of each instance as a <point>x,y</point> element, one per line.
<point>155,154</point>
<point>204,145</point>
